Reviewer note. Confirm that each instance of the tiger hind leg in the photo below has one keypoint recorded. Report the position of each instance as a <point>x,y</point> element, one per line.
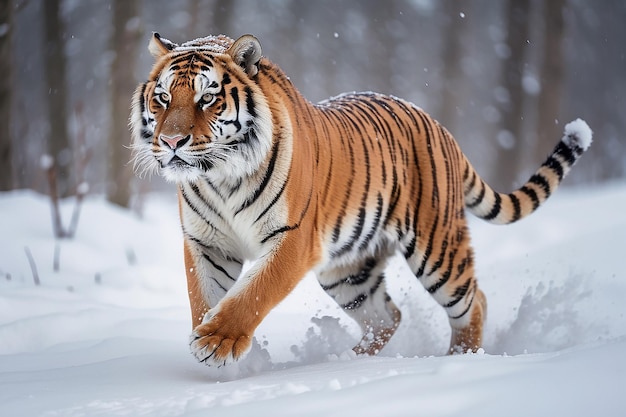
<point>360,291</point>
<point>449,278</point>
<point>468,337</point>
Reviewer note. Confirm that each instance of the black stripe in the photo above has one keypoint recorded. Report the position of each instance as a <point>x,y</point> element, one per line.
<point>279,231</point>
<point>463,264</point>
<point>182,58</point>
<point>541,181</point>
<point>356,303</point>
<point>377,284</point>
<point>146,134</point>
<point>204,60</point>
<point>473,181</point>
<point>250,106</point>
<point>234,93</point>
<point>495,209</point>
<point>466,172</point>
<point>446,275</point>
<point>567,153</point>
<point>264,182</point>
<point>196,211</point>
<point>433,165</point>
<point>439,262</point>
<point>214,188</point>
<point>205,201</point>
<point>517,209</point>
<point>274,201</point>
<point>459,294</point>
<point>356,233</point>
<point>353,280</point>
<point>440,283</point>
<point>410,250</point>
<point>532,195</point>
<point>295,226</point>
<point>219,285</point>
<point>555,165</point>
<point>464,312</point>
<point>344,204</point>
<point>374,228</point>
<point>142,98</point>
<point>394,197</point>
<point>362,213</point>
<point>202,245</point>
<point>429,247</point>
<point>218,267</point>
<point>479,198</point>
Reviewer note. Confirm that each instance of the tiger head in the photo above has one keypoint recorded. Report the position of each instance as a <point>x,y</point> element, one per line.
<point>201,111</point>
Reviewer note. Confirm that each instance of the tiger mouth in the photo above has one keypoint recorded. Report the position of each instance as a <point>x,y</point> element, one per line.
<point>179,163</point>
<point>175,162</point>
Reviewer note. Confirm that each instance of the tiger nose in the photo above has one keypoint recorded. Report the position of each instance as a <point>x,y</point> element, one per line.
<point>174,142</point>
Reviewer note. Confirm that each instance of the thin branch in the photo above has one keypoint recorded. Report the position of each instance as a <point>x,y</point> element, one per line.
<point>83,156</point>
<point>81,190</point>
<point>56,262</point>
<point>48,164</point>
<point>33,265</point>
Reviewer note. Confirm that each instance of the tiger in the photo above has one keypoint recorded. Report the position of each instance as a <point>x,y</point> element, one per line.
<point>271,187</point>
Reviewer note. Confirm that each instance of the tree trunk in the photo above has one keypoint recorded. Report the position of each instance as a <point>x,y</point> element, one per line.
<point>222,18</point>
<point>552,74</point>
<point>54,60</point>
<point>453,31</point>
<point>6,63</point>
<point>510,152</point>
<point>125,43</point>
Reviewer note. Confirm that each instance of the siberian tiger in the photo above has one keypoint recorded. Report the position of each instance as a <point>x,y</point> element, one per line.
<point>336,188</point>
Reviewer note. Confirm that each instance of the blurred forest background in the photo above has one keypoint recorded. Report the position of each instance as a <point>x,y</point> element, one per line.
<point>503,76</point>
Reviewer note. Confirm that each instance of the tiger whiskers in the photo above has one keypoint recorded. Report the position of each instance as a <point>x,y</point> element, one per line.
<point>144,162</point>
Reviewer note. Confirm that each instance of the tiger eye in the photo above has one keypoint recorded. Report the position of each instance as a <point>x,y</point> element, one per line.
<point>206,99</point>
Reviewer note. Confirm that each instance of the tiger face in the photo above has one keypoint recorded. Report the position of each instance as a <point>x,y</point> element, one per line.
<point>199,113</point>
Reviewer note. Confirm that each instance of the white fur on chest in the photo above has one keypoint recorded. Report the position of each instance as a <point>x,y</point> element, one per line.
<point>214,217</point>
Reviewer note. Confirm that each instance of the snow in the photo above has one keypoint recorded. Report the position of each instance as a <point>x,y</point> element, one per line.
<point>577,132</point>
<point>107,335</point>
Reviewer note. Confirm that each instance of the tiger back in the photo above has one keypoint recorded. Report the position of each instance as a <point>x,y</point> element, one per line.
<point>336,188</point>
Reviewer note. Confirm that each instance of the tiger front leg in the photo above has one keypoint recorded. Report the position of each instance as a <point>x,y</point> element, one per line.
<point>210,274</point>
<point>225,335</point>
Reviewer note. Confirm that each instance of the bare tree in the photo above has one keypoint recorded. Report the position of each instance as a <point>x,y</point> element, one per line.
<point>54,60</point>
<point>552,75</point>
<point>6,63</point>
<point>222,17</point>
<point>381,41</point>
<point>453,32</point>
<point>125,43</point>
<point>510,155</point>
<point>212,17</point>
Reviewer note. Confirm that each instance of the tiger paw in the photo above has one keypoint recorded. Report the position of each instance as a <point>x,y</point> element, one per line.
<point>216,345</point>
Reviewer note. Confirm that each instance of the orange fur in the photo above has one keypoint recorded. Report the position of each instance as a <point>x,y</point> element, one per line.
<point>337,188</point>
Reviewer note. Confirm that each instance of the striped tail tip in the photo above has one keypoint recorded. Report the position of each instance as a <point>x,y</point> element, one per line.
<point>577,134</point>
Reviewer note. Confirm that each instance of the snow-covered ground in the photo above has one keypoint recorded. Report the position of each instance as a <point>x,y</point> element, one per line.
<point>106,335</point>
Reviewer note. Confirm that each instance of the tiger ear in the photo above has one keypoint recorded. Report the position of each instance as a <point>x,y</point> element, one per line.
<point>246,52</point>
<point>160,46</point>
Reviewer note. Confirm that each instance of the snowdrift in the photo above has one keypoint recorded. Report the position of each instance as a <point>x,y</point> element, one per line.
<point>105,333</point>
